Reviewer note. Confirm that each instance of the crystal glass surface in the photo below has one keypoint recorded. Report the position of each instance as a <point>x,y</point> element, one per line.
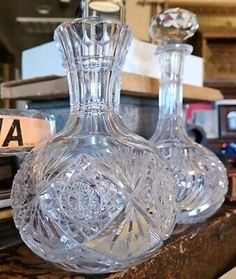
<point>201,176</point>
<point>173,26</point>
<point>96,197</point>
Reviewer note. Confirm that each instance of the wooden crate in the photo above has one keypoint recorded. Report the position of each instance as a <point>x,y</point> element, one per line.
<point>218,48</point>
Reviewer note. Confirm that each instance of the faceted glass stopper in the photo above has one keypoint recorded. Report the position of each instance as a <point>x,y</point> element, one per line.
<point>173,26</point>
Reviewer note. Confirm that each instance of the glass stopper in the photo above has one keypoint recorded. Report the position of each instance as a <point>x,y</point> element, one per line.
<point>173,26</point>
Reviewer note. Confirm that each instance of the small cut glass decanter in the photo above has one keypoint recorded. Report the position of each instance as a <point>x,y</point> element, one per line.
<point>201,177</point>
<point>95,198</point>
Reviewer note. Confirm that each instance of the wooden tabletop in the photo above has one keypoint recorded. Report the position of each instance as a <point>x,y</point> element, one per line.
<point>203,251</point>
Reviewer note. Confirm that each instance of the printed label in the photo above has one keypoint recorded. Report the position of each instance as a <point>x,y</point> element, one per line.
<point>19,131</point>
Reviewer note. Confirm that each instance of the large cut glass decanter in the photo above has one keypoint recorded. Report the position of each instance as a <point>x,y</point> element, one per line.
<point>95,198</point>
<point>201,177</point>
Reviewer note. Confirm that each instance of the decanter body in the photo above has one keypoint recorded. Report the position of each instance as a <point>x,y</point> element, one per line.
<point>96,198</point>
<point>200,175</point>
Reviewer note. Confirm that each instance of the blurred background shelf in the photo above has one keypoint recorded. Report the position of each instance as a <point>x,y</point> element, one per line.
<point>55,87</point>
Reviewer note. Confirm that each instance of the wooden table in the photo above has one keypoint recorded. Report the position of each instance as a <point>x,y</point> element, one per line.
<point>203,251</point>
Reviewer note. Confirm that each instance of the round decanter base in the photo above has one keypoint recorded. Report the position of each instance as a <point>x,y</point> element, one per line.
<point>201,177</point>
<point>96,212</point>
<point>86,262</point>
<point>199,214</point>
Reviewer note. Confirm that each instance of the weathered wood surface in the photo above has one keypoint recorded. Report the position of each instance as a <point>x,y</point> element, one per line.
<point>202,251</point>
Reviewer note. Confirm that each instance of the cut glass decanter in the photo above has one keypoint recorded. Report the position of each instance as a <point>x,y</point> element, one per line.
<point>201,176</point>
<point>95,198</point>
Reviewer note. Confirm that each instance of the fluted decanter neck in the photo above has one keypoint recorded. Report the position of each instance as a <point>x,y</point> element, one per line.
<point>93,51</point>
<point>171,59</point>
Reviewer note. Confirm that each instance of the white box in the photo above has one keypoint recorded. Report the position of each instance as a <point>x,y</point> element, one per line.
<point>45,60</point>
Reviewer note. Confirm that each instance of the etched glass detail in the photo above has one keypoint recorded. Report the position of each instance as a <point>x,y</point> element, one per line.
<point>173,26</point>
<point>96,197</point>
<point>201,177</point>
<point>201,180</point>
<point>118,204</point>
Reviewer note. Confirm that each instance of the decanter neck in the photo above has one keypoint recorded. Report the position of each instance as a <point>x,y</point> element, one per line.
<point>171,59</point>
<point>93,50</point>
<point>94,91</point>
<point>95,110</point>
